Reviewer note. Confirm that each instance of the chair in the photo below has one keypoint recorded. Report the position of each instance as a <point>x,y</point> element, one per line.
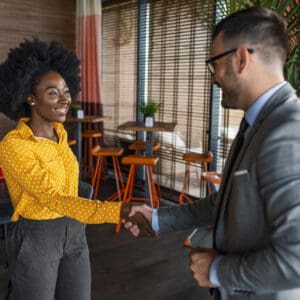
<point>85,190</point>
<point>6,208</point>
<point>102,153</point>
<point>191,157</point>
<point>6,212</point>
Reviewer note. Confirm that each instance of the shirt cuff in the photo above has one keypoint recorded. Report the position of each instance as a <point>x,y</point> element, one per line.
<point>155,225</point>
<point>213,272</point>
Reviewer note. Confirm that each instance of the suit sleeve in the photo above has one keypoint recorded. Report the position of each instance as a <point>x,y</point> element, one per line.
<point>199,213</point>
<point>274,267</point>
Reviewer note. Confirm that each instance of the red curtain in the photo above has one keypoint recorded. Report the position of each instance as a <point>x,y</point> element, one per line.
<point>88,47</point>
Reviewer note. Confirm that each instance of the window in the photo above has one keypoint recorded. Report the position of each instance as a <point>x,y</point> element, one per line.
<point>166,43</point>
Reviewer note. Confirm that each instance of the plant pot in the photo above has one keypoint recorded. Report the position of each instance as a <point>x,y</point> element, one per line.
<point>78,113</point>
<point>149,121</point>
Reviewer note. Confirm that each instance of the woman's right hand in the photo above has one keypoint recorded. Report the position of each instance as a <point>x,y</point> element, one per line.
<point>137,219</point>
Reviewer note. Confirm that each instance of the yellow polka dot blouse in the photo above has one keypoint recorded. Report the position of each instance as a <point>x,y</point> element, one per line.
<point>42,179</point>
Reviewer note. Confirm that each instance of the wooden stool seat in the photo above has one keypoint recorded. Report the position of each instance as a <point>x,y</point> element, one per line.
<point>72,142</point>
<point>192,157</point>
<point>89,141</point>
<point>91,134</point>
<point>97,151</point>
<point>140,160</point>
<point>138,146</point>
<point>114,153</point>
<point>198,157</point>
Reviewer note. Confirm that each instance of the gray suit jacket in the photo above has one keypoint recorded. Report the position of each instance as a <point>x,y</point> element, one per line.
<point>256,213</point>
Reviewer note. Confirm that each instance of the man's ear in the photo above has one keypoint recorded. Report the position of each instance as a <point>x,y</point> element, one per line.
<point>243,58</point>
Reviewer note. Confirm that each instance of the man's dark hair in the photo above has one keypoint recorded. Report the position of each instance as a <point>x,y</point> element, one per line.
<point>262,29</point>
<point>20,72</point>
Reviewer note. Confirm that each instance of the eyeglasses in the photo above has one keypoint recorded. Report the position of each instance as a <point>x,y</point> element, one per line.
<point>210,62</point>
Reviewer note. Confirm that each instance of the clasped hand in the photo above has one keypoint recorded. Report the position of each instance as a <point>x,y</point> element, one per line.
<point>137,219</point>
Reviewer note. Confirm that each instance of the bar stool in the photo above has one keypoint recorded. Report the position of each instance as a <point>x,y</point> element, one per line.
<point>191,157</point>
<point>134,161</point>
<point>89,139</point>
<point>211,177</point>
<point>139,146</point>
<point>149,162</point>
<point>114,153</point>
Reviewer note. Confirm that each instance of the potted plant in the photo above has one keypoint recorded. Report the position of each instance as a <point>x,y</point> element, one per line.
<point>149,109</point>
<point>77,111</point>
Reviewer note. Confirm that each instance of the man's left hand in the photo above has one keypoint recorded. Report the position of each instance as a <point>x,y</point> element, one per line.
<point>200,263</point>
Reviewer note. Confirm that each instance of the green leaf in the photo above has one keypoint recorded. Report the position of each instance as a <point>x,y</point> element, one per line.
<point>149,108</point>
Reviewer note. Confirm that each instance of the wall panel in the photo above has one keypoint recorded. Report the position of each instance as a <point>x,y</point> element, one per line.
<point>46,19</point>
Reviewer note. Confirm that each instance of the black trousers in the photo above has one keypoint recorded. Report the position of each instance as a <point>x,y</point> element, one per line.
<point>49,260</point>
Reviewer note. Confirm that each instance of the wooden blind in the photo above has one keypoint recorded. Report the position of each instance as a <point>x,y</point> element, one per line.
<point>119,64</point>
<point>178,79</point>
<point>178,41</point>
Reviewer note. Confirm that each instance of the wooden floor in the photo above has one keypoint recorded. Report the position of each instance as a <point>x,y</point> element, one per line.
<point>128,268</point>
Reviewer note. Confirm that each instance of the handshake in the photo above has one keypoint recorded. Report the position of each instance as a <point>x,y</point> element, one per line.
<point>137,219</point>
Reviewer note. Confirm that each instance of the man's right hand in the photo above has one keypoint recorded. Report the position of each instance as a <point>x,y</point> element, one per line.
<point>139,220</point>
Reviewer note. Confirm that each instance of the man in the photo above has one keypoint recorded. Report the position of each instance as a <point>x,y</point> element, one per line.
<point>256,213</point>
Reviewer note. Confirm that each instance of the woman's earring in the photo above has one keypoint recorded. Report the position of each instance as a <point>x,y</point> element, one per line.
<point>30,101</point>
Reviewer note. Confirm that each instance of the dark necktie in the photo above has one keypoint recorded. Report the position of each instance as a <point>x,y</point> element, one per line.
<point>238,143</point>
<point>240,136</point>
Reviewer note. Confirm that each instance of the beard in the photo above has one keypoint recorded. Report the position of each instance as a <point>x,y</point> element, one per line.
<point>230,89</point>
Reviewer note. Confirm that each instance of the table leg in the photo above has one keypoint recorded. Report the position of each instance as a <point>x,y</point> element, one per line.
<point>78,145</point>
<point>149,142</point>
<point>149,152</point>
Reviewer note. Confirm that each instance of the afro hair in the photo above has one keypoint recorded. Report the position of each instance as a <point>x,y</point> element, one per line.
<point>23,66</point>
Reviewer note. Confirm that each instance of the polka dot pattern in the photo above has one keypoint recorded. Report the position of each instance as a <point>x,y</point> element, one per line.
<point>42,179</point>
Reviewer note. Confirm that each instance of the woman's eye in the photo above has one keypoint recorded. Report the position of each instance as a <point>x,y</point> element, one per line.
<point>52,93</point>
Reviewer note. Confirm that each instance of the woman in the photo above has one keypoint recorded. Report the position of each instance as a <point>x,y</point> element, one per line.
<point>48,254</point>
